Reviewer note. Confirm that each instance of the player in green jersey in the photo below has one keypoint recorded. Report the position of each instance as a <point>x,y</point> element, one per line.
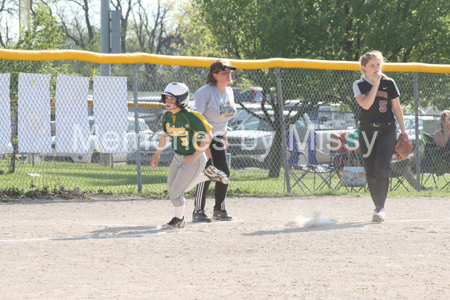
<point>190,134</point>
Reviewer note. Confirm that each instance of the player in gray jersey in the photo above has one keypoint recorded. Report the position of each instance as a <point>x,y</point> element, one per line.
<point>215,101</point>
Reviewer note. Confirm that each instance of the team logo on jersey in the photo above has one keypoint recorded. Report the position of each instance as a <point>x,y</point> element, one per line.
<point>227,110</point>
<point>173,131</point>
<point>382,94</point>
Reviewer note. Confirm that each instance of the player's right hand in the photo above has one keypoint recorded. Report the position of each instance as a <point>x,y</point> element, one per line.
<point>154,161</point>
<point>376,78</point>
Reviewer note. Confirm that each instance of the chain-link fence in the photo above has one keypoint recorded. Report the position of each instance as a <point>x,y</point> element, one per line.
<point>73,129</point>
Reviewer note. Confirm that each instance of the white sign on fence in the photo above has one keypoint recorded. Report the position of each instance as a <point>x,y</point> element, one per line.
<point>71,114</point>
<point>111,113</point>
<point>34,131</point>
<point>5,115</point>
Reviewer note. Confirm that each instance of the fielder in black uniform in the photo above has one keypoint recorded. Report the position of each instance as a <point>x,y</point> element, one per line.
<point>378,97</point>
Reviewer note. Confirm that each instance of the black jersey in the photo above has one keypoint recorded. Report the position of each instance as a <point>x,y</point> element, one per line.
<point>381,109</point>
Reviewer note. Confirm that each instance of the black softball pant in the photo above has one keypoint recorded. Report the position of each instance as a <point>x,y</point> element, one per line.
<point>377,148</point>
<point>219,160</point>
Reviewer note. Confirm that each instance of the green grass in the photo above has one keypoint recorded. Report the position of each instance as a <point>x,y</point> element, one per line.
<point>5,200</point>
<point>122,179</point>
<point>88,177</point>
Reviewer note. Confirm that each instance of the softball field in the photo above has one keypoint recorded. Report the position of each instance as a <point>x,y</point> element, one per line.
<point>112,247</point>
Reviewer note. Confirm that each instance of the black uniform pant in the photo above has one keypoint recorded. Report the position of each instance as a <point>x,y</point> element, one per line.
<point>377,147</point>
<point>219,160</point>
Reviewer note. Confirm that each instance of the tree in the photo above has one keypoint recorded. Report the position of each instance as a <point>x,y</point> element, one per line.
<point>146,26</point>
<point>403,30</point>
<point>8,8</point>
<point>153,31</point>
<point>241,29</point>
<point>75,20</point>
<point>44,33</point>
<point>334,30</point>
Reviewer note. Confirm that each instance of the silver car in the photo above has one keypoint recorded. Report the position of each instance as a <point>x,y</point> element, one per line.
<point>148,149</point>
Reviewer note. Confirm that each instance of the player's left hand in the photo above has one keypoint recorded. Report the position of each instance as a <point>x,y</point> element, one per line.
<point>208,154</point>
<point>225,143</point>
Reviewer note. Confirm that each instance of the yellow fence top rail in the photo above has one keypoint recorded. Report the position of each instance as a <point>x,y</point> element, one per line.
<point>153,105</point>
<point>134,58</point>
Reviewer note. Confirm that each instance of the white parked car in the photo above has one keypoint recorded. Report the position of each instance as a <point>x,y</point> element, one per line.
<point>249,144</point>
<point>93,154</point>
<point>325,117</point>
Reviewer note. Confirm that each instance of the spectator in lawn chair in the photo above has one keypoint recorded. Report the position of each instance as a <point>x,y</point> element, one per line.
<point>441,136</point>
<point>405,167</point>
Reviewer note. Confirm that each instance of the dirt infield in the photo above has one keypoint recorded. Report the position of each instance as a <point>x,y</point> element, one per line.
<point>112,249</point>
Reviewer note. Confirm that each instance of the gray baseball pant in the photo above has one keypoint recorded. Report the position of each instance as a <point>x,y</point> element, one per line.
<point>181,176</point>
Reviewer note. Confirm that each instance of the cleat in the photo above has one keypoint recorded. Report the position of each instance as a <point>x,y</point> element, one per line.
<point>176,223</point>
<point>216,175</point>
<point>221,215</point>
<point>378,214</point>
<point>200,216</point>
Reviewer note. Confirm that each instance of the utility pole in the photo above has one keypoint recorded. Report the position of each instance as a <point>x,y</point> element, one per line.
<point>105,36</point>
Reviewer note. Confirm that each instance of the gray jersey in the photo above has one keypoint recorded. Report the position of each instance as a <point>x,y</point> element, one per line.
<point>216,107</point>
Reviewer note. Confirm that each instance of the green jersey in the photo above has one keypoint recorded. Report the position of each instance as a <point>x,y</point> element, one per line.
<point>186,128</point>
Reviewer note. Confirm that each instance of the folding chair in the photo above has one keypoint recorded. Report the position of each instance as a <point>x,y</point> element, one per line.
<point>433,165</point>
<point>397,177</point>
<point>294,158</point>
<point>393,186</point>
<point>308,164</point>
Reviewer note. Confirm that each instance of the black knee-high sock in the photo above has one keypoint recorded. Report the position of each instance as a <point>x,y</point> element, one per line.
<point>383,188</point>
<point>373,189</point>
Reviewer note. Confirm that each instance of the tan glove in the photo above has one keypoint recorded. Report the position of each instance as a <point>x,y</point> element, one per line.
<point>403,147</point>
